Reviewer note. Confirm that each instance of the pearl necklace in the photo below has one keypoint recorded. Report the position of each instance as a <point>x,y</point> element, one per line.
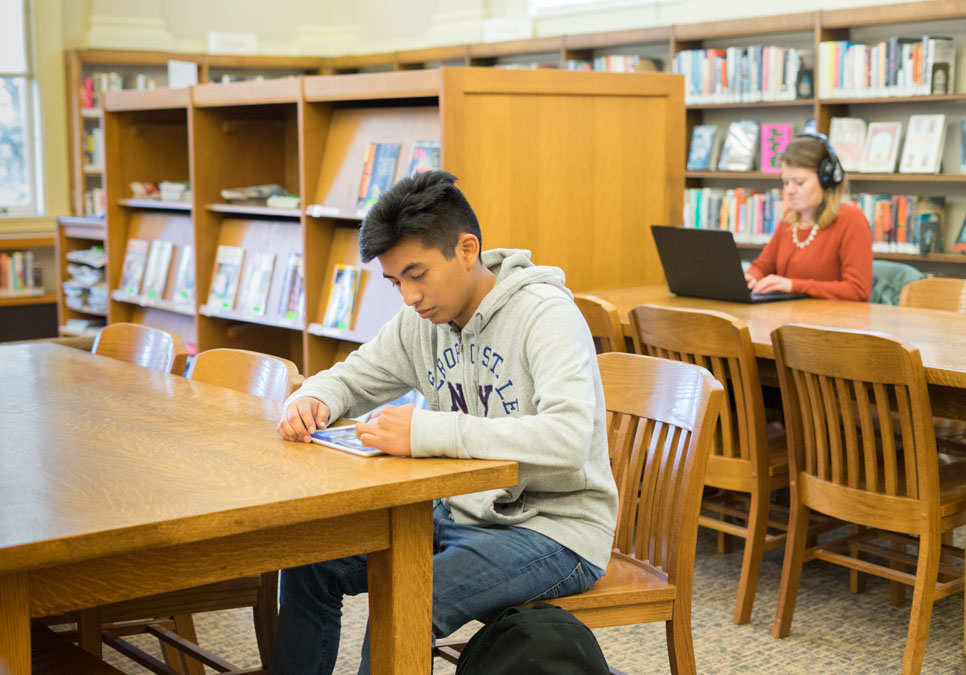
<point>803,244</point>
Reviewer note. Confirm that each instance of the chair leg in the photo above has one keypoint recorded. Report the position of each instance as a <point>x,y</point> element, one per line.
<point>89,631</point>
<point>265,615</point>
<point>856,578</point>
<point>751,563</point>
<point>923,595</point>
<point>680,647</point>
<point>791,568</point>
<point>897,590</point>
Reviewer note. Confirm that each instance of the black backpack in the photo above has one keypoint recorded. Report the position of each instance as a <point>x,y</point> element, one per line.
<point>538,640</point>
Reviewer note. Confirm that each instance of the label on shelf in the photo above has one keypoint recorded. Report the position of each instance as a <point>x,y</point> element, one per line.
<point>321,211</point>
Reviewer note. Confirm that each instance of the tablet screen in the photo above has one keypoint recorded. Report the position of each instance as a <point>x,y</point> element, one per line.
<point>343,438</point>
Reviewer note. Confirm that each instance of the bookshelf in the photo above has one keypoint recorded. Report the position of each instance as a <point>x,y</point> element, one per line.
<point>76,233</point>
<point>28,313</point>
<point>131,69</point>
<point>801,30</point>
<point>519,141</point>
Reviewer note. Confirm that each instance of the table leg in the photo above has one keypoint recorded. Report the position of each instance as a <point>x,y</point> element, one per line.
<point>401,595</point>
<point>14,625</point>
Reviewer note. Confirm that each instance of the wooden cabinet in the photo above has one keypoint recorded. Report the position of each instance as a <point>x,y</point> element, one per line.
<point>573,166</point>
<point>28,313</point>
<point>93,72</point>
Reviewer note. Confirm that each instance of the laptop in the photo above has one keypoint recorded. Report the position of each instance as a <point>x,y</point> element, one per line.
<point>705,264</point>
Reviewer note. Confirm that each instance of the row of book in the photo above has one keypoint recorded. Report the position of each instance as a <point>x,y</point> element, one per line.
<point>904,223</point>
<point>616,63</point>
<point>94,148</point>
<point>86,289</point>
<point>241,282</point>
<point>144,275</point>
<point>95,202</point>
<point>742,74</point>
<point>751,215</point>
<point>900,223</point>
<point>96,84</point>
<point>860,147</point>
<point>897,66</point>
<point>379,168</point>
<point>19,275</point>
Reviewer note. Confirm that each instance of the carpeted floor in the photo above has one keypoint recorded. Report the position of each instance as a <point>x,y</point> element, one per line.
<point>833,630</point>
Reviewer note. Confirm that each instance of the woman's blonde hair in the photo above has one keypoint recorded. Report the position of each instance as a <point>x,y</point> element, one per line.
<point>807,152</point>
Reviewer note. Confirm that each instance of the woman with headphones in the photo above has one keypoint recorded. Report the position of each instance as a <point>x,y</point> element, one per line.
<point>821,247</point>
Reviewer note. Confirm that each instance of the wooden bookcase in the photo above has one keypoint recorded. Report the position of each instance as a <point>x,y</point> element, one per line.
<point>129,66</point>
<point>75,233</point>
<point>801,29</point>
<point>29,316</point>
<point>146,140</point>
<point>531,149</point>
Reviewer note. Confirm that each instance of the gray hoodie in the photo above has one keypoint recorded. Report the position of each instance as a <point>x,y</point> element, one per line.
<point>525,362</point>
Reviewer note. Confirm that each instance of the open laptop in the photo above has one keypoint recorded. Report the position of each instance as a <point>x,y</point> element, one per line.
<point>706,264</point>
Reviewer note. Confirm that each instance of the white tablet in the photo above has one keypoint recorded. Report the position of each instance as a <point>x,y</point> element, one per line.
<point>344,438</point>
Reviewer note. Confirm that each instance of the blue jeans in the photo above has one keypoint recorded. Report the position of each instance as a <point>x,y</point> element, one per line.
<point>476,570</point>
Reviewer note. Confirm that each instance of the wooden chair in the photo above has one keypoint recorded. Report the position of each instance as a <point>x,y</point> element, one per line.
<point>604,322</point>
<point>948,295</point>
<point>168,616</point>
<point>861,449</point>
<point>660,422</point>
<point>935,293</point>
<point>53,654</point>
<point>145,346</point>
<point>745,465</point>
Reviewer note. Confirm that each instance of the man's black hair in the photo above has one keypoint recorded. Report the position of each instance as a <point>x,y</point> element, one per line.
<point>427,205</point>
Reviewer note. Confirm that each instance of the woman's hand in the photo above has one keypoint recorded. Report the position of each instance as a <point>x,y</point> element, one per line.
<point>771,283</point>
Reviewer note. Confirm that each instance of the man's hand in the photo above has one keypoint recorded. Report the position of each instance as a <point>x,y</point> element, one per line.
<point>302,418</point>
<point>388,430</point>
<point>772,282</point>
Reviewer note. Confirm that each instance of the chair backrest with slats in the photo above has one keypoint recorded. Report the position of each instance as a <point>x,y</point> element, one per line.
<point>721,344</point>
<point>604,322</point>
<point>142,345</point>
<point>859,425</point>
<point>935,293</point>
<point>270,377</point>
<point>660,416</point>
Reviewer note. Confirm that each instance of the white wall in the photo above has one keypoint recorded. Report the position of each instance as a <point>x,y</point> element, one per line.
<point>311,27</point>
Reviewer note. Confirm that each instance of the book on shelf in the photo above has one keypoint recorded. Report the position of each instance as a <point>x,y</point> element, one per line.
<point>424,156</point>
<point>847,137</point>
<point>135,257</point>
<point>224,282</point>
<point>741,141</point>
<point>960,243</point>
<point>19,275</point>
<point>283,202</point>
<point>252,195</point>
<point>751,215</point>
<point>881,147</point>
<point>739,74</point>
<point>184,278</point>
<point>774,138</point>
<point>156,270</point>
<point>256,282</point>
<point>378,173</point>
<point>939,64</point>
<point>340,310</point>
<point>922,151</point>
<point>908,224</point>
<point>703,151</point>
<point>291,301</point>
<point>962,144</point>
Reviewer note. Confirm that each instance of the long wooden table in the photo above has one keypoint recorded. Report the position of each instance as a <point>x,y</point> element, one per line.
<point>940,336</point>
<point>118,482</point>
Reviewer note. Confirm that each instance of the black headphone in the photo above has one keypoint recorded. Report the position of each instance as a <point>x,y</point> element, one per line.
<point>830,171</point>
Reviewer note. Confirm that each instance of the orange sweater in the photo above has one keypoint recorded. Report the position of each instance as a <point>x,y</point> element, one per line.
<point>836,265</point>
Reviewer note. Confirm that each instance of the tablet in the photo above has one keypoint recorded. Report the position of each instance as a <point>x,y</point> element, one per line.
<point>344,438</point>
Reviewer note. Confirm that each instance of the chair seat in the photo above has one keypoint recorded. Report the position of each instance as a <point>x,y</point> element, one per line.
<point>51,654</point>
<point>629,586</point>
<point>777,456</point>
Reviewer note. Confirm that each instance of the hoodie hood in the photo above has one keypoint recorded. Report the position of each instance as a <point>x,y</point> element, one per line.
<point>514,270</point>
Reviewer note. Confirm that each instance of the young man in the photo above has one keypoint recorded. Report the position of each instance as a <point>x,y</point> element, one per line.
<point>507,365</point>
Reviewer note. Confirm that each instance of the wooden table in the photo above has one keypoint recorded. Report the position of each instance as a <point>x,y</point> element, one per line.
<point>118,482</point>
<point>940,336</point>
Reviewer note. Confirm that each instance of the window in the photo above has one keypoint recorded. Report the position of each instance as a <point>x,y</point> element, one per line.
<point>545,7</point>
<point>19,158</point>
